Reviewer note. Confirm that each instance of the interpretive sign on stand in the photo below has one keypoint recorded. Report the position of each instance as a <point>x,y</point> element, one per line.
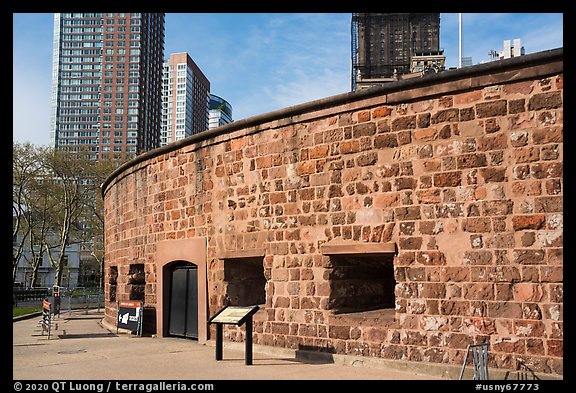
<point>129,316</point>
<point>234,315</point>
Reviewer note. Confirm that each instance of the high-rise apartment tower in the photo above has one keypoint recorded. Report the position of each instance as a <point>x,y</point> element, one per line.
<point>383,44</point>
<point>185,91</point>
<point>106,83</point>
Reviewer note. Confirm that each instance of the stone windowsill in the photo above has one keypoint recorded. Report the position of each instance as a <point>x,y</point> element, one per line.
<point>385,317</point>
<point>249,253</point>
<point>358,248</point>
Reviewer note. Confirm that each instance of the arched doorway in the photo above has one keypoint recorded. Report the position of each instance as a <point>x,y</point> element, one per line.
<point>183,311</point>
<point>171,255</point>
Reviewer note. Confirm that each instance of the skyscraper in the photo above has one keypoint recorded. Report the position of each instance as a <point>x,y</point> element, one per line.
<point>106,83</point>
<point>185,99</point>
<point>220,112</point>
<point>383,44</point>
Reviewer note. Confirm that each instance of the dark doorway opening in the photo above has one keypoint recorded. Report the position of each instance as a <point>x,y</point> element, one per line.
<point>183,318</point>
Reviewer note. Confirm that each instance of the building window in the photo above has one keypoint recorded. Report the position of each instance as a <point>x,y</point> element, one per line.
<point>112,282</point>
<point>361,282</point>
<point>136,281</point>
<point>246,284</point>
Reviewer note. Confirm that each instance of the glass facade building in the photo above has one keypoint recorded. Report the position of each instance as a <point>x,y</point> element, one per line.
<point>106,83</point>
<point>220,112</point>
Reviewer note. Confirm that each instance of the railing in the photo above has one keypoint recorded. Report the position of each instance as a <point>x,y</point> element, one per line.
<point>70,298</point>
<point>30,294</point>
<point>81,298</point>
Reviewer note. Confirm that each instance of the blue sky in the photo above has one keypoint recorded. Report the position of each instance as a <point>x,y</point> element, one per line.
<point>262,62</point>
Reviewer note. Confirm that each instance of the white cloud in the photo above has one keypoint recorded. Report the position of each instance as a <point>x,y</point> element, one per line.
<point>307,88</point>
<point>287,59</point>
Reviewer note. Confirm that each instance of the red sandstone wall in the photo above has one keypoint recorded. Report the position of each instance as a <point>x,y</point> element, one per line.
<point>467,183</point>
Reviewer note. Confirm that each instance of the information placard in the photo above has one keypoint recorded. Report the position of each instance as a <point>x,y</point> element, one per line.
<point>234,315</point>
<point>129,316</point>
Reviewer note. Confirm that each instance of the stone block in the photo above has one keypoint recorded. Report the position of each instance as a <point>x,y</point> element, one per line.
<point>533,221</point>
<point>456,340</point>
<point>493,142</point>
<point>365,129</point>
<point>504,309</point>
<point>468,97</point>
<point>546,100</point>
<point>473,160</point>
<point>528,292</point>
<point>491,109</point>
<point>386,141</point>
<point>497,207</point>
<point>349,146</point>
<point>478,291</point>
<point>423,120</point>
<point>381,111</point>
<point>425,134</point>
<point>367,159</point>
<point>528,256</point>
<point>478,257</point>
<point>495,175</point>
<point>467,114</point>
<point>451,115</point>
<point>407,213</point>
<point>339,332</point>
<point>404,123</point>
<point>477,225</point>
<point>547,135</point>
<point>529,328</point>
<point>448,179</point>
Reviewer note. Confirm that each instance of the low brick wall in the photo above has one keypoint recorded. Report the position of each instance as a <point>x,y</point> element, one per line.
<point>403,222</point>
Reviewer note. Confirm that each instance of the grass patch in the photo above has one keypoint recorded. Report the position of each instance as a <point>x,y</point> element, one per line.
<point>24,310</point>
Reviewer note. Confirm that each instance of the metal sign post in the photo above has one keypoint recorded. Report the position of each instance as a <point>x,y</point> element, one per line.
<point>56,295</point>
<point>233,315</point>
<point>46,320</point>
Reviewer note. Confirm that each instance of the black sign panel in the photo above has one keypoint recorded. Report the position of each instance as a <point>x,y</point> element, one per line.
<point>129,316</point>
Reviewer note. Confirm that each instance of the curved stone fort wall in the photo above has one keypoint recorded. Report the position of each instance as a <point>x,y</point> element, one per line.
<point>403,222</point>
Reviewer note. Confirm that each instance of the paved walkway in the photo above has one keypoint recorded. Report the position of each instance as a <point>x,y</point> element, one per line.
<point>80,348</point>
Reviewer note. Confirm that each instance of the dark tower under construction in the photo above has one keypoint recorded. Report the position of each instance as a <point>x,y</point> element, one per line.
<point>383,44</point>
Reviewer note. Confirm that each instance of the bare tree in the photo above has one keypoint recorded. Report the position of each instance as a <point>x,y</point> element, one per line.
<point>25,169</point>
<point>67,175</point>
<point>56,203</point>
<point>40,205</point>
